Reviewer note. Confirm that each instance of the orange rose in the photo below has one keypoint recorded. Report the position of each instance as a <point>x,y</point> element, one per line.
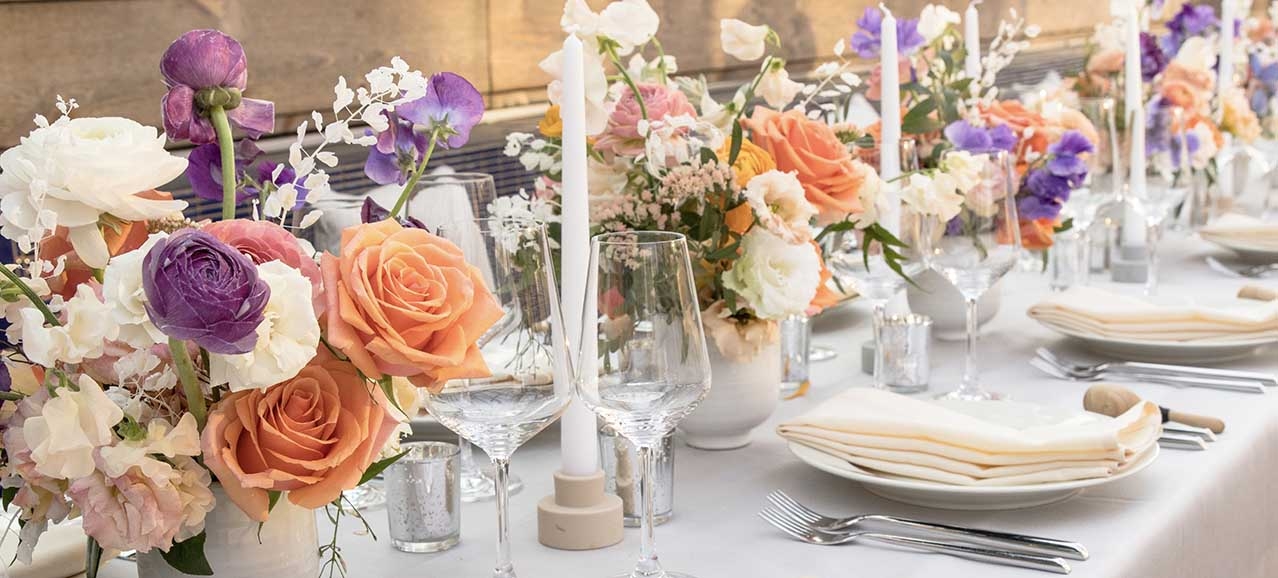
<point>312,436</point>
<point>1180,94</point>
<point>831,178</point>
<point>405,302</point>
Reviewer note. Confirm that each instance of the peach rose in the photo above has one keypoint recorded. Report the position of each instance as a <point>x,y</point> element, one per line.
<point>312,436</point>
<point>404,302</point>
<point>1012,113</point>
<point>264,241</point>
<point>831,178</point>
<point>1105,62</point>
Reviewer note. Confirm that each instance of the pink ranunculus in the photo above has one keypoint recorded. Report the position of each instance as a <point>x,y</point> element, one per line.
<point>264,241</point>
<point>622,134</point>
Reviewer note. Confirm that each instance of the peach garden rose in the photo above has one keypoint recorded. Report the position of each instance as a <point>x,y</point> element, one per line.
<point>831,178</point>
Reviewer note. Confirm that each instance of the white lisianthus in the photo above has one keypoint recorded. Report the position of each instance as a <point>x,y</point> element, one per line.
<point>965,167</point>
<point>74,171</point>
<point>935,194</point>
<point>779,201</point>
<point>1196,53</point>
<point>934,19</point>
<point>122,290</point>
<point>775,278</point>
<point>286,338</point>
<point>70,427</point>
<point>776,88</point>
<point>82,335</point>
<point>743,41</point>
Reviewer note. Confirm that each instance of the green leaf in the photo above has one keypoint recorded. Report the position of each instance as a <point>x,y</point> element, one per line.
<point>6,497</point>
<point>918,119</point>
<point>737,138</point>
<point>708,156</point>
<point>187,556</point>
<point>379,467</point>
<point>1065,225</point>
<point>726,252</point>
<point>274,497</point>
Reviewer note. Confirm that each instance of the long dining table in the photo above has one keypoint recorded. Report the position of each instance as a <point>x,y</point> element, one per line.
<point>1192,514</point>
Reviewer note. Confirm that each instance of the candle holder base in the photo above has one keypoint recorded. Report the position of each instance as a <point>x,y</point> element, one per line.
<point>580,515</point>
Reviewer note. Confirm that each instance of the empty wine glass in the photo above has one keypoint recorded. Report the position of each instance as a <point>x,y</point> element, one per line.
<point>520,398</point>
<point>1100,190</point>
<point>475,484</point>
<point>1166,185</point>
<point>975,249</point>
<point>649,367</point>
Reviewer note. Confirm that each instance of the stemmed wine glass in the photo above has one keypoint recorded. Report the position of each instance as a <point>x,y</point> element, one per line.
<point>1102,187</point>
<point>521,397</point>
<point>649,367</point>
<point>975,249</point>
<point>1164,188</point>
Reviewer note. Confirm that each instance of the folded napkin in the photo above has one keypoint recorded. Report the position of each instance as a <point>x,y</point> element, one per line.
<point>912,438</point>
<point>60,553</point>
<point>1236,229</point>
<point>1104,314</point>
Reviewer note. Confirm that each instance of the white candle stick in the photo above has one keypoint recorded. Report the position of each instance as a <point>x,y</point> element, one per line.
<point>579,441</point>
<point>1134,88</point>
<point>972,41</point>
<point>890,110</point>
<point>1225,84</point>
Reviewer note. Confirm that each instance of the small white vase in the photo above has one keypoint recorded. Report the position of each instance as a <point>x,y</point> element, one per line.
<point>938,299</point>
<point>288,548</point>
<point>742,396</point>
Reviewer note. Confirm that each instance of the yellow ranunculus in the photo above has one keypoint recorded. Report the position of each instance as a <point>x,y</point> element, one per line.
<point>751,161</point>
<point>551,125</point>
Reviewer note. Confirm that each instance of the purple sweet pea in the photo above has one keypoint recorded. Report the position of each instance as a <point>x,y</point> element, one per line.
<point>869,35</point>
<point>452,105</point>
<point>206,68</point>
<point>204,170</point>
<point>974,139</point>
<point>1191,20</point>
<point>372,212</point>
<point>398,152</point>
<point>1071,143</point>
<point>201,289</point>
<point>6,381</point>
<point>1032,208</point>
<point>1152,58</point>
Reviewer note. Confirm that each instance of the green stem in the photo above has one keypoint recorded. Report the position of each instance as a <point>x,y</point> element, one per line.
<point>190,384</point>
<point>417,175</point>
<point>226,144</point>
<point>754,85</point>
<point>30,293</point>
<point>625,77</point>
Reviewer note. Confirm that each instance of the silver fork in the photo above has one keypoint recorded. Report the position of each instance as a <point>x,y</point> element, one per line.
<point>1093,374</point>
<point>810,535</point>
<point>1002,540</point>
<point>1250,271</point>
<point>1137,367</point>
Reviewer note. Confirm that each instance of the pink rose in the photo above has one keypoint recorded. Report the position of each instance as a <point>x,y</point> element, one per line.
<point>264,241</point>
<point>622,133</point>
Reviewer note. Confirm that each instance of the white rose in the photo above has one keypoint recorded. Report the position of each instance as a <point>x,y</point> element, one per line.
<point>933,195</point>
<point>122,290</point>
<point>776,88</point>
<point>776,279</point>
<point>286,338</point>
<point>76,170</point>
<point>743,41</point>
<point>934,20</point>
<point>82,335</point>
<point>1197,53</point>
<point>69,428</point>
<point>781,204</point>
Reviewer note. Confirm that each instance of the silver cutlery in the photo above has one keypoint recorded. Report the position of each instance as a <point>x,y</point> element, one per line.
<point>1267,379</point>
<point>1189,430</point>
<point>806,533</point>
<point>988,538</point>
<point>1182,442</point>
<point>1074,375</point>
<point>1250,271</point>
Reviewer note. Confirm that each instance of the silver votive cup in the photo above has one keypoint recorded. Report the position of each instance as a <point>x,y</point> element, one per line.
<point>423,500</point>
<point>907,341</point>
<point>796,337</point>
<point>620,461</point>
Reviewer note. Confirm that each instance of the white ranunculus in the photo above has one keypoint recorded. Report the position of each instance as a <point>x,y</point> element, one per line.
<point>775,278</point>
<point>70,428</point>
<point>776,88</point>
<point>122,290</point>
<point>82,335</point>
<point>934,19</point>
<point>965,167</point>
<point>73,171</point>
<point>1196,53</point>
<point>286,338</point>
<point>781,205</point>
<point>933,195</point>
<point>743,41</point>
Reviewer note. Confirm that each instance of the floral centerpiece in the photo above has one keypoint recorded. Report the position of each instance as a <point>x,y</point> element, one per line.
<point>148,357</point>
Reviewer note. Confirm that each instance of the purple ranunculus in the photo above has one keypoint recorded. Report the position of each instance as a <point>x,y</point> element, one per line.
<point>869,35</point>
<point>204,68</point>
<point>201,289</point>
<point>398,152</point>
<point>451,105</point>
<point>1152,58</point>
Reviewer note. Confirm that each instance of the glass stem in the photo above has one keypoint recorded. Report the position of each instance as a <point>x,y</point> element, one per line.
<point>504,568</point>
<point>1084,257</point>
<point>1152,233</point>
<point>648,564</point>
<point>880,310</point>
<point>971,374</point>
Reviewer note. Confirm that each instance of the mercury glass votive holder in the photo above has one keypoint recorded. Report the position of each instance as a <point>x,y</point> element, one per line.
<point>423,498</point>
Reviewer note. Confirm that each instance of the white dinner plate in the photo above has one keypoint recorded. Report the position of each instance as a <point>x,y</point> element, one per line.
<point>950,497</point>
<point>1181,352</point>
<point>1249,252</point>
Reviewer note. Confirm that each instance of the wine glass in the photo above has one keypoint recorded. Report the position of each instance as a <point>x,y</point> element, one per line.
<point>1100,190</point>
<point>1165,186</point>
<point>649,367</point>
<point>521,397</point>
<point>975,249</point>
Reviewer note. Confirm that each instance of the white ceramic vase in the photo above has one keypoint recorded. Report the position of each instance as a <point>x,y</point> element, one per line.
<point>742,396</point>
<point>288,545</point>
<point>938,299</point>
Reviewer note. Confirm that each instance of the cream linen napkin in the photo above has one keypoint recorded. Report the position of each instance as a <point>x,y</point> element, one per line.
<point>58,554</point>
<point>913,438</point>
<point>1105,314</point>
<point>1233,228</point>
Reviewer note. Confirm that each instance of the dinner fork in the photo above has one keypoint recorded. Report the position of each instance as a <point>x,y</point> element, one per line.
<point>989,538</point>
<point>1250,272</point>
<point>1159,369</point>
<point>810,535</point>
<point>1094,375</point>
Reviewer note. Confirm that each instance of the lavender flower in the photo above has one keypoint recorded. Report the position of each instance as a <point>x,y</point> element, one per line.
<point>398,152</point>
<point>202,289</point>
<point>974,139</point>
<point>869,35</point>
<point>451,106</point>
<point>1191,20</point>
<point>205,69</point>
<point>1152,58</point>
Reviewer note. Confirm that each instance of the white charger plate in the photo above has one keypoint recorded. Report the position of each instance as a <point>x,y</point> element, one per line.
<point>1251,253</point>
<point>1180,352</point>
<point>950,497</point>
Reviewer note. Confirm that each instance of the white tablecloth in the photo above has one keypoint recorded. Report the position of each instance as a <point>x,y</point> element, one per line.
<point>1191,514</point>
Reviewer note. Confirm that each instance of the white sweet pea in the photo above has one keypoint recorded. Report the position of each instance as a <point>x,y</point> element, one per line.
<point>170,442</point>
<point>69,428</point>
<point>83,334</point>
<point>774,277</point>
<point>743,41</point>
<point>934,19</point>
<point>596,84</point>
<point>776,88</point>
<point>1196,53</point>
<point>286,338</point>
<point>874,204</point>
<point>965,167</point>
<point>122,290</point>
<point>779,201</point>
<point>933,195</point>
